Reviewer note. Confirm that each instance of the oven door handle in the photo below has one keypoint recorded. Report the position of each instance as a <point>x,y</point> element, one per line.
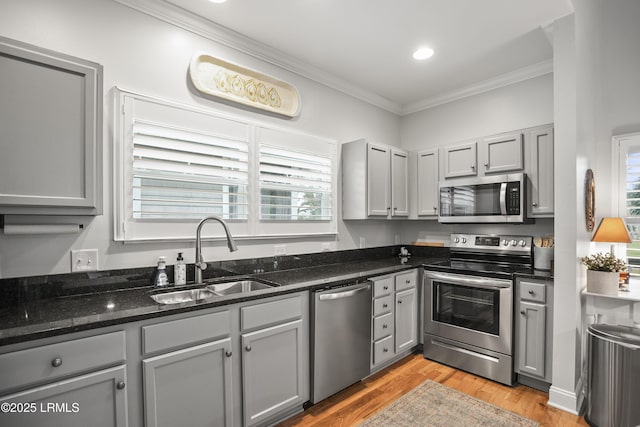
<point>503,198</point>
<point>477,282</point>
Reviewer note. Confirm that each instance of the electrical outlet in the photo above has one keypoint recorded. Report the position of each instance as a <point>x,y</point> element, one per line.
<point>279,250</point>
<point>84,260</point>
<point>363,242</point>
<point>326,247</point>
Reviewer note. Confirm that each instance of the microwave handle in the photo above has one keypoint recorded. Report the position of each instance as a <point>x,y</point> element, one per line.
<point>503,198</point>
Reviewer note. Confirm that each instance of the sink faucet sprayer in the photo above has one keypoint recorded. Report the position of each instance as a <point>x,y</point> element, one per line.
<point>200,265</point>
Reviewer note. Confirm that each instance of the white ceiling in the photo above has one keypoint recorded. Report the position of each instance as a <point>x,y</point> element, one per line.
<point>365,46</point>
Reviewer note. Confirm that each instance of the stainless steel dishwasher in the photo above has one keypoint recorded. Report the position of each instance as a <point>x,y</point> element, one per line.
<point>341,338</point>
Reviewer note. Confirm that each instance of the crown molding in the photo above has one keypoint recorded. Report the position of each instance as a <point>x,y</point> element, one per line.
<point>203,27</point>
<point>525,73</point>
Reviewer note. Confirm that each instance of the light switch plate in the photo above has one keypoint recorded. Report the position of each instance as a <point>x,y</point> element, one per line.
<point>84,260</point>
<point>279,249</point>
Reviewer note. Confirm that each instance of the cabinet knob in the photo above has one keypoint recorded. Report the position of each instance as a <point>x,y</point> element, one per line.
<point>228,353</point>
<point>120,385</point>
<point>248,348</point>
<point>386,288</point>
<point>407,281</point>
<point>531,292</point>
<point>523,312</point>
<point>486,165</point>
<point>57,362</point>
<point>534,204</point>
<point>395,209</point>
<point>399,301</point>
<point>385,305</point>
<point>473,167</point>
<point>385,350</point>
<point>435,208</point>
<point>384,326</point>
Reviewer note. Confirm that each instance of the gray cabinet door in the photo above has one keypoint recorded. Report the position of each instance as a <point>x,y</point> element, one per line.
<point>189,387</point>
<point>378,180</point>
<point>428,197</point>
<point>97,399</point>
<point>399,183</point>
<point>51,121</point>
<point>502,153</point>
<point>460,160</point>
<point>406,322</point>
<point>531,339</point>
<point>273,374</point>
<point>540,171</point>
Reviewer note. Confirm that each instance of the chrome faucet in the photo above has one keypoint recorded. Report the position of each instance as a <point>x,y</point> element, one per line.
<point>200,265</point>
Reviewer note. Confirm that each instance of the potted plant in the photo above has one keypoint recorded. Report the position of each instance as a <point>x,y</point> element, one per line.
<point>603,273</point>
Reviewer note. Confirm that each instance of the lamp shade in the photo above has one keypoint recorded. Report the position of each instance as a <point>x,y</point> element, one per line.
<point>612,230</point>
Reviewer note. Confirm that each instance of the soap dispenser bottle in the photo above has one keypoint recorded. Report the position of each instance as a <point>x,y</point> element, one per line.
<point>180,271</point>
<point>161,279</point>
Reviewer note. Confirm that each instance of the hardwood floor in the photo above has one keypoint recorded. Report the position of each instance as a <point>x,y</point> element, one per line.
<point>361,400</point>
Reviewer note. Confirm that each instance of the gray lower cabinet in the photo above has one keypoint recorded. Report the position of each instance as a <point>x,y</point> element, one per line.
<point>534,331</point>
<point>77,382</point>
<point>395,317</point>
<point>192,384</point>
<point>97,399</point>
<point>272,378</point>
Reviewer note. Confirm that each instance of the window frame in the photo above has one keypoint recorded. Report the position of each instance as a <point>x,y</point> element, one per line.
<point>128,229</point>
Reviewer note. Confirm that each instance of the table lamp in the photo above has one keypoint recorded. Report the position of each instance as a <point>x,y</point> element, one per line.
<point>612,230</point>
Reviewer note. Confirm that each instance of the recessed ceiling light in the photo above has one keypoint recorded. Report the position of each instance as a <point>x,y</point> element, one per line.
<point>423,53</point>
<point>217,1</point>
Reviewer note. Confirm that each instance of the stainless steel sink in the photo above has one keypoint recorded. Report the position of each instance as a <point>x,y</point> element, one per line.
<point>187,295</point>
<point>209,291</point>
<point>236,287</point>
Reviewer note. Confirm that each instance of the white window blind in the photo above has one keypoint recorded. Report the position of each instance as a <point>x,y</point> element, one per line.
<point>178,173</point>
<point>628,147</point>
<point>294,186</point>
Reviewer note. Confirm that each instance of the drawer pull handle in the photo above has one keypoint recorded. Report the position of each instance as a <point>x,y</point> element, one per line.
<point>248,348</point>
<point>228,353</point>
<point>120,385</point>
<point>57,362</point>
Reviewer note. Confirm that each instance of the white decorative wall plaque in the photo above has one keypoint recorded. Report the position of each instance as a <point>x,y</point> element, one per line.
<point>216,77</point>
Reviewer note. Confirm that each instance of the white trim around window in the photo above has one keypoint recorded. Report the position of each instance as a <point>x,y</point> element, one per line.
<point>175,164</point>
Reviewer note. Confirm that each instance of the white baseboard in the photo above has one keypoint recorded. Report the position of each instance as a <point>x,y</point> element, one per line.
<point>568,401</point>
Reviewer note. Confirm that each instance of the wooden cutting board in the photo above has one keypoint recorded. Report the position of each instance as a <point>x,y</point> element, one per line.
<point>427,244</point>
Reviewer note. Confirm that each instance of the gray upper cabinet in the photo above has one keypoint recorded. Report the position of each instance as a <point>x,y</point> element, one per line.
<point>540,171</point>
<point>51,121</point>
<point>460,160</point>
<point>502,153</point>
<point>374,181</point>
<point>427,183</point>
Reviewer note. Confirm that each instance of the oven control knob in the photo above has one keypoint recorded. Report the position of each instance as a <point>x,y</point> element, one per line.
<point>456,240</point>
<point>505,242</point>
<point>522,243</point>
<point>464,240</point>
<point>514,242</point>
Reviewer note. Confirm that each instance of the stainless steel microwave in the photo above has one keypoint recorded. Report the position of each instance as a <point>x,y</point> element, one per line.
<point>489,199</point>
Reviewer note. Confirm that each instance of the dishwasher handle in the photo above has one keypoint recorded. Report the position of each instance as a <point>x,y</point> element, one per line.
<point>343,294</point>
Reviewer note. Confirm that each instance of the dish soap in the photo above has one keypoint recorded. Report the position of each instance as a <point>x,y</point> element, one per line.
<point>180,271</point>
<point>161,279</point>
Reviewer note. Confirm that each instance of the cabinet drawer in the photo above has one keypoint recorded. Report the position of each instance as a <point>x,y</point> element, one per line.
<point>383,326</point>
<point>406,280</point>
<point>382,350</point>
<point>530,291</point>
<point>269,313</point>
<point>382,305</point>
<point>49,362</point>
<point>184,332</point>
<point>382,287</point>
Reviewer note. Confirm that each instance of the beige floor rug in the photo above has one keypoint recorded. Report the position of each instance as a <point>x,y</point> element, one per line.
<point>433,404</point>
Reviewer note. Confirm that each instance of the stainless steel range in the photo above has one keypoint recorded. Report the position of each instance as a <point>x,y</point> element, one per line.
<point>468,304</point>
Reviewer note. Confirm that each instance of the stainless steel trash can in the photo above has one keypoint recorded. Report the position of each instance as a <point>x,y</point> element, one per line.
<point>613,393</point>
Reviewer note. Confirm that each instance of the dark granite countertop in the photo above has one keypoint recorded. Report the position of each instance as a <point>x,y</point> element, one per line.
<point>50,315</point>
